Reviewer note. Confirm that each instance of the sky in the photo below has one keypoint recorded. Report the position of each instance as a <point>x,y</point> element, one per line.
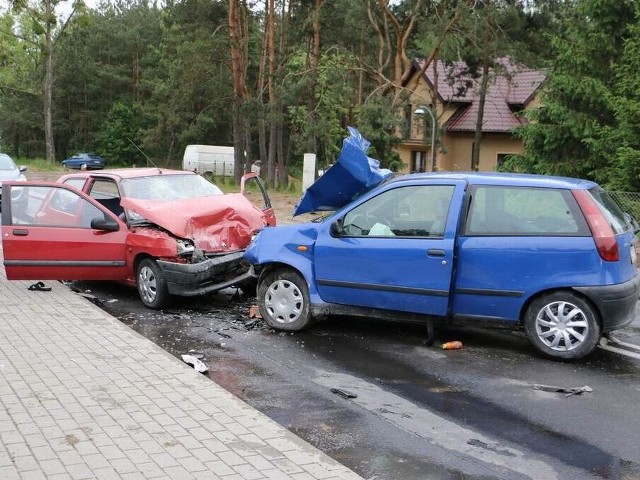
<point>64,7</point>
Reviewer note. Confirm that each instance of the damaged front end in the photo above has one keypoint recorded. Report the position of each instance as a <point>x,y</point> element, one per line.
<point>210,274</point>
<point>202,251</point>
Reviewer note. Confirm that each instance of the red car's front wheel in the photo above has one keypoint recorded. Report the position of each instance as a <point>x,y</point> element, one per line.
<point>152,287</point>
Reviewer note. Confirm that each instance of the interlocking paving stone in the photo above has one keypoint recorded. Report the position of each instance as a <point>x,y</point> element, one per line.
<point>83,396</point>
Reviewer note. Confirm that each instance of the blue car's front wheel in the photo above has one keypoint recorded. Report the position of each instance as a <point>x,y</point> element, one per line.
<point>283,299</point>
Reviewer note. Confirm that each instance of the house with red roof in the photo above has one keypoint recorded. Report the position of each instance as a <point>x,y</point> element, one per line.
<point>449,94</point>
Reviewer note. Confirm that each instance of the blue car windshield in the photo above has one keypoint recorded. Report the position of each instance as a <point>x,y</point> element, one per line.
<point>168,187</point>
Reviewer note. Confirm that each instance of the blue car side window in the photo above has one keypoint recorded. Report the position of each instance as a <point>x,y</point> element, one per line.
<point>524,211</point>
<point>414,211</point>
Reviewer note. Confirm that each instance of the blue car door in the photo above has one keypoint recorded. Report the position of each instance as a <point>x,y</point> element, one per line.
<point>393,250</point>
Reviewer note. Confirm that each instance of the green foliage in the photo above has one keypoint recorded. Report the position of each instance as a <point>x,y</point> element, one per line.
<point>332,99</point>
<point>116,139</point>
<point>161,77</point>
<point>189,81</point>
<point>570,134</point>
<point>624,136</point>
<point>376,120</point>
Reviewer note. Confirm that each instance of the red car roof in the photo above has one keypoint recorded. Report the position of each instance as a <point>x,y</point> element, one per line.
<point>127,173</point>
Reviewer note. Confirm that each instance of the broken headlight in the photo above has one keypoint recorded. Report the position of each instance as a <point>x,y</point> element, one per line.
<point>185,247</point>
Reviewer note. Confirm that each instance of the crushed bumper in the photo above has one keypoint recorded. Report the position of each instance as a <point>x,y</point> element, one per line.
<point>616,303</point>
<point>210,275</point>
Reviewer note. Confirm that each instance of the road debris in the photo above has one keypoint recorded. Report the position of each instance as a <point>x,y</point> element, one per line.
<point>197,364</point>
<point>455,345</point>
<point>39,287</point>
<point>254,312</point>
<point>251,324</point>
<point>569,391</point>
<point>343,393</point>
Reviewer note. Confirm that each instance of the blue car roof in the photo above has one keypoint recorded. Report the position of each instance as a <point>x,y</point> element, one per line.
<point>495,178</point>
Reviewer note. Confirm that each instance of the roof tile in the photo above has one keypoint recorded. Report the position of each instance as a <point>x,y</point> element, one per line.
<point>510,88</point>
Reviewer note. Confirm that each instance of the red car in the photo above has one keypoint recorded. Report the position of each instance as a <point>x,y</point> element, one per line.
<point>169,232</point>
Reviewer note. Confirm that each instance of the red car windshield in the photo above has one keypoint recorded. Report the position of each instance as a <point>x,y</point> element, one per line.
<point>168,187</point>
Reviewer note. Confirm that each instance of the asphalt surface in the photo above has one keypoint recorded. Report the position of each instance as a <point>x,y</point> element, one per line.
<point>419,412</point>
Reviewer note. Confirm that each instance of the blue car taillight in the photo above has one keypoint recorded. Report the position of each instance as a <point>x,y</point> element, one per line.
<point>602,232</point>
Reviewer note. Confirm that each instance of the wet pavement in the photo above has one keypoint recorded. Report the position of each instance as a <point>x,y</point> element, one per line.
<point>419,412</point>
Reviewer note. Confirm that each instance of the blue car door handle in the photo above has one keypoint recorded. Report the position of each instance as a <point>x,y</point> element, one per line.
<point>435,252</point>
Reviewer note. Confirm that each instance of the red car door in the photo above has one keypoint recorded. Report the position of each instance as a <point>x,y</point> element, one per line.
<point>51,231</point>
<point>252,187</point>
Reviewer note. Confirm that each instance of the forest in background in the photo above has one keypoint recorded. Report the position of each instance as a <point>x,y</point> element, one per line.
<point>279,78</point>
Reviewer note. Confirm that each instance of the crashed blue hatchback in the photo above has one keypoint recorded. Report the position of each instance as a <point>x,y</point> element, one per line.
<point>553,255</point>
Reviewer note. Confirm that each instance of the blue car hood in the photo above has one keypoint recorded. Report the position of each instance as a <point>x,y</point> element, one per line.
<point>353,174</point>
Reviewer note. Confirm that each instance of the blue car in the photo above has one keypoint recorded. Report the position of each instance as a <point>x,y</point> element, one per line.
<point>553,255</point>
<point>84,161</point>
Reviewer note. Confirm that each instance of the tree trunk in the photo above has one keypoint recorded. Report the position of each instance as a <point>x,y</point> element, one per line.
<point>262,128</point>
<point>271,49</point>
<point>240,93</point>
<point>384,45</point>
<point>314,61</point>
<point>48,88</point>
<point>402,33</point>
<point>484,83</point>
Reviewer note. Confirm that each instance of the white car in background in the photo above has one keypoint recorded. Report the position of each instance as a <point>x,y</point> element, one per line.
<point>9,172</point>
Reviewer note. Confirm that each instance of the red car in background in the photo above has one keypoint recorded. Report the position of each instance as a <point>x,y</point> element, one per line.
<point>168,232</point>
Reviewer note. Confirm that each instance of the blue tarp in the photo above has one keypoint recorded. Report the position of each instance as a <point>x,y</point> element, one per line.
<point>353,174</point>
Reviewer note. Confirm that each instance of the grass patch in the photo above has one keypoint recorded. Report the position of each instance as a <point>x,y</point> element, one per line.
<point>39,165</point>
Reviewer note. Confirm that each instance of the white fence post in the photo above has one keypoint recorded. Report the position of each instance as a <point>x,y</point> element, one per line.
<point>308,170</point>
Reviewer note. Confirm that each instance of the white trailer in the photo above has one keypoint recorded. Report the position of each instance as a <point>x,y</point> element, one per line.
<point>209,159</point>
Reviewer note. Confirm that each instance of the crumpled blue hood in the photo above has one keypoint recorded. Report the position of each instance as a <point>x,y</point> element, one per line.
<point>353,174</point>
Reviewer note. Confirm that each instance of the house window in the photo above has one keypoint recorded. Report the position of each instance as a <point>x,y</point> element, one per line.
<point>418,161</point>
<point>501,158</point>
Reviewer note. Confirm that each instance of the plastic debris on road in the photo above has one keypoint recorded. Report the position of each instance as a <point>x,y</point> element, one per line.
<point>569,391</point>
<point>455,345</point>
<point>195,362</point>
<point>343,393</point>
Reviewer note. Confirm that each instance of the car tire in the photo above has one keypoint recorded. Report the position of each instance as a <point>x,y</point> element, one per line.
<point>151,284</point>
<point>283,299</point>
<point>562,326</point>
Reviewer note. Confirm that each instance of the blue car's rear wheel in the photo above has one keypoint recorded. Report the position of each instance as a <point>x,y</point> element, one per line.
<point>283,299</point>
<point>562,325</point>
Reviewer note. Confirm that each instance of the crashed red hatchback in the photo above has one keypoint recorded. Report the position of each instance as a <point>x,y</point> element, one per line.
<point>168,232</point>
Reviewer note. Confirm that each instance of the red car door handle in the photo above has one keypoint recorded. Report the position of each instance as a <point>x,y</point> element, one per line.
<point>21,232</point>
